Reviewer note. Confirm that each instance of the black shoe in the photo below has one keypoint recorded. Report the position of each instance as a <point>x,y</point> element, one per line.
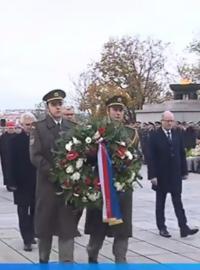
<point>34,242</point>
<point>165,233</point>
<point>188,231</point>
<point>11,188</point>
<point>27,247</point>
<point>42,261</point>
<point>92,260</point>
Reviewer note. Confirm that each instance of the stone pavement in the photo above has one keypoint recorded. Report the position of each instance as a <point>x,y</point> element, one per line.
<point>146,246</point>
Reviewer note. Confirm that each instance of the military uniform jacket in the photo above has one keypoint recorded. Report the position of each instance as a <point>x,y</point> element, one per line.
<point>94,224</point>
<point>52,216</point>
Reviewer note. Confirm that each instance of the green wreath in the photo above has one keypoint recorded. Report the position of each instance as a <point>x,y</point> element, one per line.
<point>75,162</point>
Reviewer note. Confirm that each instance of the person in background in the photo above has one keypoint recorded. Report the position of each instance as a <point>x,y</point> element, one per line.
<point>5,150</point>
<point>166,168</point>
<point>24,180</point>
<point>68,113</point>
<point>190,136</point>
<point>18,129</point>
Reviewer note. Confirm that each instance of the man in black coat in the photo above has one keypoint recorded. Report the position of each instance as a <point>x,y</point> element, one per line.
<point>5,151</point>
<point>24,181</point>
<point>166,168</point>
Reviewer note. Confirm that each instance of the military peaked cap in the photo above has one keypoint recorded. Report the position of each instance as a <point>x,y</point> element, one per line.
<point>117,101</point>
<point>53,95</point>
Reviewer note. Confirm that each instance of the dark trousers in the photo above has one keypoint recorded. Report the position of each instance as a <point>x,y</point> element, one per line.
<point>178,208</point>
<point>26,222</point>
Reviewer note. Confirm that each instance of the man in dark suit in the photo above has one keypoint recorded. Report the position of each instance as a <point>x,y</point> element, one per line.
<point>52,215</point>
<point>166,168</point>
<point>24,180</point>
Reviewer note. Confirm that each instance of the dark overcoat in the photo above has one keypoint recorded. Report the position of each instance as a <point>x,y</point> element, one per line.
<point>5,154</point>
<point>23,171</point>
<point>94,224</point>
<point>52,216</point>
<point>167,161</point>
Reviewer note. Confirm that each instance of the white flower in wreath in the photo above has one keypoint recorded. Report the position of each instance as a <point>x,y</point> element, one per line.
<point>100,140</point>
<point>68,146</point>
<point>119,186</point>
<point>79,163</point>
<point>84,199</point>
<point>134,184</point>
<point>75,176</point>
<point>76,195</point>
<point>121,143</point>
<point>129,155</point>
<point>69,169</point>
<point>92,197</point>
<point>88,140</point>
<point>75,140</point>
<point>96,135</point>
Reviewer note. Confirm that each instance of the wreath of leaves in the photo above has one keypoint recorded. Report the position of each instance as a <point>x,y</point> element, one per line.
<point>75,162</point>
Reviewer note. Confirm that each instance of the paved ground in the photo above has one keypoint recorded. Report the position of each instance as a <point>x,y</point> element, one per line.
<point>145,247</point>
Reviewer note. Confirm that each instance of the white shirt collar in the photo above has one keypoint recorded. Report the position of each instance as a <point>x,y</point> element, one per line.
<point>167,131</point>
<point>58,121</point>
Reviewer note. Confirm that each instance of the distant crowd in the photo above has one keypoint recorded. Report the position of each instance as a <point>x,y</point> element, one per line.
<point>190,133</point>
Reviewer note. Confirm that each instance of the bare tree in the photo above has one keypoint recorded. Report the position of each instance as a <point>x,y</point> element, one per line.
<point>191,71</point>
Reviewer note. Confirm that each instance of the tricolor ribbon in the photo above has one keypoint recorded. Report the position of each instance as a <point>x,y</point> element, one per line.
<point>111,210</point>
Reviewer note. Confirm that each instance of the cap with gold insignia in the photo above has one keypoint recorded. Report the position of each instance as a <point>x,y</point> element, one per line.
<point>116,101</point>
<point>56,94</point>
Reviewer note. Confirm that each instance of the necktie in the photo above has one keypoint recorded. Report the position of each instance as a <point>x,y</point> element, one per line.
<point>169,136</point>
<point>58,126</point>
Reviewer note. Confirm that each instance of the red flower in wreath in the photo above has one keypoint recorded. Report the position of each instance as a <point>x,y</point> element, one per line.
<point>96,183</point>
<point>102,131</point>
<point>87,181</point>
<point>77,190</point>
<point>72,155</point>
<point>66,184</point>
<point>63,162</point>
<point>120,152</point>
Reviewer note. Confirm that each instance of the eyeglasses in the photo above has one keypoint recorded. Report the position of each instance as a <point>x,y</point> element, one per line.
<point>168,121</point>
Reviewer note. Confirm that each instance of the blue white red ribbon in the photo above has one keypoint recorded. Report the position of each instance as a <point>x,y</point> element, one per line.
<point>111,208</point>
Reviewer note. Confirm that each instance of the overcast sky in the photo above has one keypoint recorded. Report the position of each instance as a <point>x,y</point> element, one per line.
<point>46,43</point>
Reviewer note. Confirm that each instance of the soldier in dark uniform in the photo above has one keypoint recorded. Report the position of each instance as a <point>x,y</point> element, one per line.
<point>52,216</point>
<point>24,180</point>
<point>94,225</point>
